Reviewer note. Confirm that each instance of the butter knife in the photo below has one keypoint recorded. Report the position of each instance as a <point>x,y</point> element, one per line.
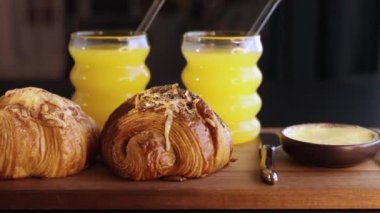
<point>268,144</point>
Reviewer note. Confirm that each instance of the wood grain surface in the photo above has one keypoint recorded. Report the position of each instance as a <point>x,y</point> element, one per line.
<point>238,186</point>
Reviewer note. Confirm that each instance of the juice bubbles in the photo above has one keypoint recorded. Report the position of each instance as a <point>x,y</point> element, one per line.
<point>222,69</point>
<point>109,68</point>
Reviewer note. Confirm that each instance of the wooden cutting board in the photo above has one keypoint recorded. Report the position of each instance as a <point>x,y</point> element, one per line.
<point>238,186</point>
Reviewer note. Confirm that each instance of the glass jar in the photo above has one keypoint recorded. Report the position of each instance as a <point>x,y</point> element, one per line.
<point>109,68</point>
<point>222,69</point>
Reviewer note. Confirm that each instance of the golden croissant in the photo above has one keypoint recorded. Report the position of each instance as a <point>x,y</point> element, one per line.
<point>165,132</point>
<point>43,135</point>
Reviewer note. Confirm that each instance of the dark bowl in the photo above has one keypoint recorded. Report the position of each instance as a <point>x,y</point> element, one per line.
<point>329,155</point>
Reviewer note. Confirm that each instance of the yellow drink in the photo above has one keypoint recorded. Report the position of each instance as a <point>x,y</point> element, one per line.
<point>106,74</point>
<point>227,79</point>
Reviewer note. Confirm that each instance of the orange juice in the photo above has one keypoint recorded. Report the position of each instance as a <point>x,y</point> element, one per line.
<point>226,76</point>
<point>107,73</point>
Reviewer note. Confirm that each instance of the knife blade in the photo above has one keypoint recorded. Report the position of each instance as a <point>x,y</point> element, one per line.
<point>268,144</point>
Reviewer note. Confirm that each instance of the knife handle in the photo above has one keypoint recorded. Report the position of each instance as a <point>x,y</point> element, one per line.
<point>267,173</point>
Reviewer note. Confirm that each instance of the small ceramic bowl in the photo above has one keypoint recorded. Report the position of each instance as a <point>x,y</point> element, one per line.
<point>329,144</point>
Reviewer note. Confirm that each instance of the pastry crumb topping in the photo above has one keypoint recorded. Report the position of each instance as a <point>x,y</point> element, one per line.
<point>171,99</point>
<point>39,104</point>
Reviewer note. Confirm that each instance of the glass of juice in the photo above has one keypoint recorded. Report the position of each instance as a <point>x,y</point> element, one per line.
<point>109,68</point>
<point>222,69</point>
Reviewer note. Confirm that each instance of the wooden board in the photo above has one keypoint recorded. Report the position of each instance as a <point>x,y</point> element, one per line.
<point>235,187</point>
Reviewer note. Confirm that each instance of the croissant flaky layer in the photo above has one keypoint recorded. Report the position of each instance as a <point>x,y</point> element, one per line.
<point>43,135</point>
<point>165,132</point>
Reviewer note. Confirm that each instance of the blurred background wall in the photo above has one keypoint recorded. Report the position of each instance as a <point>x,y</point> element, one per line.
<point>32,39</point>
<point>321,59</point>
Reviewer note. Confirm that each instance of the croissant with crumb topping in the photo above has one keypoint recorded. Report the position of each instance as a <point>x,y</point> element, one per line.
<point>165,132</point>
<point>43,135</point>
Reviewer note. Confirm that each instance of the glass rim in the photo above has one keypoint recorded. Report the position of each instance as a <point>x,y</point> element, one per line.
<point>198,36</point>
<point>108,35</point>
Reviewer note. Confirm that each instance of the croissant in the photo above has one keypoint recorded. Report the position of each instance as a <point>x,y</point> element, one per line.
<point>165,132</point>
<point>43,135</point>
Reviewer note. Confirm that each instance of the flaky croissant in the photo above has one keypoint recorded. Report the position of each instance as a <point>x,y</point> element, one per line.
<point>165,132</point>
<point>43,135</point>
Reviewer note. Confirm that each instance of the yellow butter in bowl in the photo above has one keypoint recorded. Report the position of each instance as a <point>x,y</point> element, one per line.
<point>331,134</point>
<point>330,144</point>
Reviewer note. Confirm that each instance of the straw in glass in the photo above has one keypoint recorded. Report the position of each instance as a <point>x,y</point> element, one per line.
<point>263,17</point>
<point>150,15</point>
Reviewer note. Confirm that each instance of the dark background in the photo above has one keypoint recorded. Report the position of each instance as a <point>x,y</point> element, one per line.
<point>321,59</point>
